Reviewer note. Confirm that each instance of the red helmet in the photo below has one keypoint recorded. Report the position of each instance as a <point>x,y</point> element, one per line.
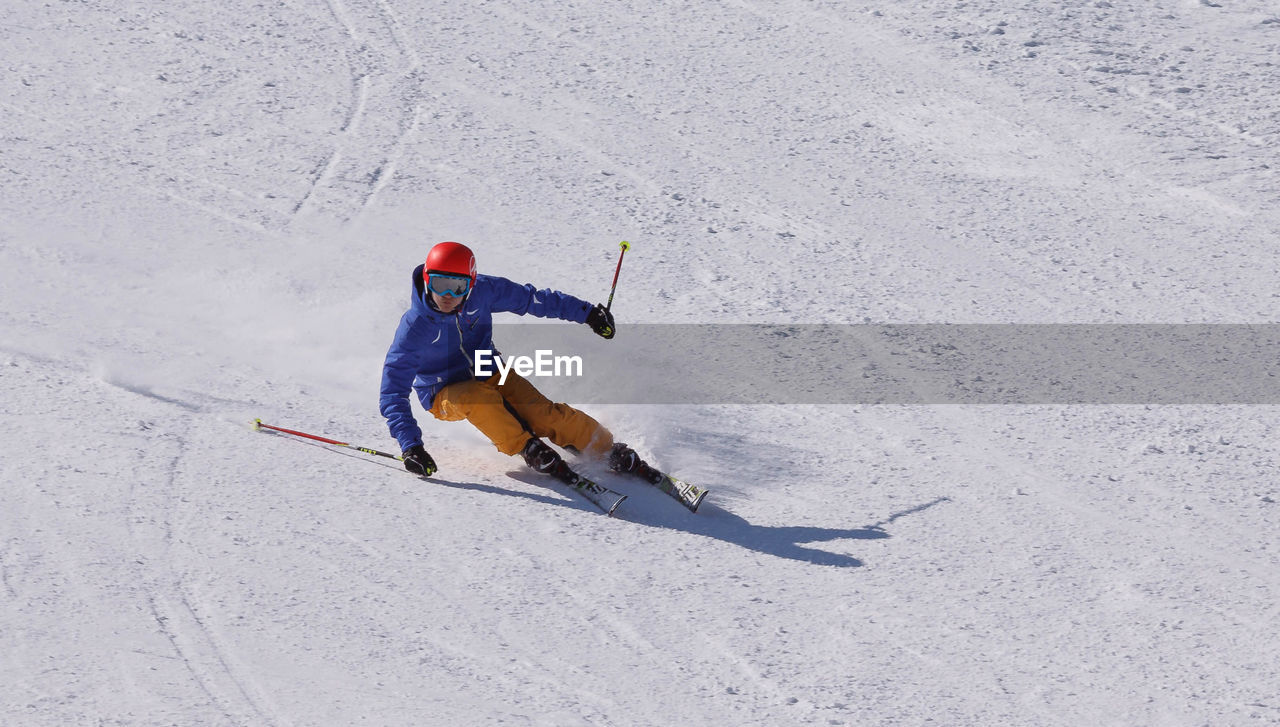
<point>452,258</point>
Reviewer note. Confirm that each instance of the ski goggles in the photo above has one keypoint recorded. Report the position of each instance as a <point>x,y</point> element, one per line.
<point>452,286</point>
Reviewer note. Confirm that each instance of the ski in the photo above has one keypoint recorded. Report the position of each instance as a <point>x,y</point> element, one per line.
<point>687,494</point>
<point>599,495</point>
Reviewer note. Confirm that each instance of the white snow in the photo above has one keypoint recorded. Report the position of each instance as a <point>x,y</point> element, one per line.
<point>209,213</point>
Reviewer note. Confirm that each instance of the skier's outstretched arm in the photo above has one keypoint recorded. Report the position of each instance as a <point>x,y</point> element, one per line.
<point>547,303</point>
<point>523,300</point>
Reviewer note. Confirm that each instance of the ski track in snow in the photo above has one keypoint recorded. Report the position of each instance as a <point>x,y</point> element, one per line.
<point>168,597</point>
<point>364,161</point>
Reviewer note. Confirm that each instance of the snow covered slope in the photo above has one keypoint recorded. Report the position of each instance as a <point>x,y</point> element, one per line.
<point>209,213</point>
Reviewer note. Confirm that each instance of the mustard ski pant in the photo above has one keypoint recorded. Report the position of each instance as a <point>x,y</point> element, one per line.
<point>508,414</point>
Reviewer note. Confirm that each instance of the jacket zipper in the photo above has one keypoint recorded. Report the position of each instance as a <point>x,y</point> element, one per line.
<point>471,364</point>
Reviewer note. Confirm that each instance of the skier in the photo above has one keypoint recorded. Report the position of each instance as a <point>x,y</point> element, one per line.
<point>449,319</point>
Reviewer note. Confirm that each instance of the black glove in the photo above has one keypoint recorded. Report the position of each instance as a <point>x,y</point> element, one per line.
<point>601,321</point>
<point>417,461</point>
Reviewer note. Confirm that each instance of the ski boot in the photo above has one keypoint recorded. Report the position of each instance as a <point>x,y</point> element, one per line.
<point>542,459</point>
<point>625,460</point>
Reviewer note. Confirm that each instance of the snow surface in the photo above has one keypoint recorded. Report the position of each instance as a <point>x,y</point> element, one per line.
<point>209,212</point>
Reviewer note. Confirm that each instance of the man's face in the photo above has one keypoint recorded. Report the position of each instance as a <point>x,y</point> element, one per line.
<point>446,303</point>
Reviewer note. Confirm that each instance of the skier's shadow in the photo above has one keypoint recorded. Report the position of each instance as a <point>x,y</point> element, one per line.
<point>648,506</point>
<point>656,509</point>
<point>783,541</point>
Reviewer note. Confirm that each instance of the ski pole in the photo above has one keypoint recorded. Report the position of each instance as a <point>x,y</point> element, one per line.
<point>625,246</point>
<point>259,426</point>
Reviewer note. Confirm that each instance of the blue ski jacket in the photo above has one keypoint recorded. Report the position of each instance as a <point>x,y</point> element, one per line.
<point>433,349</point>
